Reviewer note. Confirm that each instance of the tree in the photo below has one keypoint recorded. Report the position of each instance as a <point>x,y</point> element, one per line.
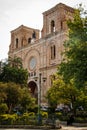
<point>74,64</point>
<point>13,96</point>
<point>67,94</point>
<point>9,95</point>
<point>3,108</point>
<point>12,91</point>
<point>15,62</point>
<point>14,73</point>
<point>3,95</point>
<point>26,101</point>
<point>53,94</point>
<point>82,99</point>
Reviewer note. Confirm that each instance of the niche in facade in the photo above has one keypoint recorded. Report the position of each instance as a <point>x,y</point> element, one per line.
<point>16,42</point>
<point>52,26</point>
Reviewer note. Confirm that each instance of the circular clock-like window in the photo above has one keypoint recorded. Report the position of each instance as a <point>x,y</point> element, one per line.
<point>32,63</point>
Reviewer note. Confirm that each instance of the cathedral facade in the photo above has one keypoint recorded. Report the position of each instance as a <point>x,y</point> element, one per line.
<point>41,56</point>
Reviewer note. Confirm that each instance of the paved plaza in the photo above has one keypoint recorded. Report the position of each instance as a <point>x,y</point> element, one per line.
<point>73,128</point>
<point>63,128</point>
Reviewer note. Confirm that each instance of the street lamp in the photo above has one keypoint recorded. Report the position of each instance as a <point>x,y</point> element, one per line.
<point>39,79</point>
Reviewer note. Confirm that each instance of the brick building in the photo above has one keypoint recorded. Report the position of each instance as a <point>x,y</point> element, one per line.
<point>41,56</point>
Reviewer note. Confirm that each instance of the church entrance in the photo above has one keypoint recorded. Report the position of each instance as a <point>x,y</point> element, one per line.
<point>33,89</point>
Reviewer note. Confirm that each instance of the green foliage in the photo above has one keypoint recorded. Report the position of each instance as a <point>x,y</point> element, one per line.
<point>44,114</point>
<point>74,65</point>
<point>67,94</point>
<point>7,119</point>
<point>82,99</point>
<point>31,114</point>
<point>15,62</point>
<point>26,119</point>
<point>13,72</point>
<point>58,114</point>
<point>10,94</point>
<point>80,120</point>
<point>13,96</point>
<point>73,68</point>
<point>26,101</point>
<point>81,113</point>
<point>3,95</point>
<point>61,116</point>
<point>53,94</point>
<point>3,108</point>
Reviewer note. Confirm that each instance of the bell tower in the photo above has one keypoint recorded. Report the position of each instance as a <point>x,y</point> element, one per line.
<point>54,20</point>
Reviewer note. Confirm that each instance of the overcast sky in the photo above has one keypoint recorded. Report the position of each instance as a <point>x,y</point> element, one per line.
<point>14,13</point>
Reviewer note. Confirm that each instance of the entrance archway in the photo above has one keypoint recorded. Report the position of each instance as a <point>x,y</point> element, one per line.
<point>33,89</point>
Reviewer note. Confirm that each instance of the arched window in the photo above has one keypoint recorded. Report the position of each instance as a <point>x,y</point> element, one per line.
<point>61,25</point>
<point>53,52</point>
<point>52,26</point>
<point>34,35</point>
<point>16,42</point>
<point>29,40</point>
<point>22,42</point>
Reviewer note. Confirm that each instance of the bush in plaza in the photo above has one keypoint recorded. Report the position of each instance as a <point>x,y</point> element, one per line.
<point>44,114</point>
<point>80,120</point>
<point>14,119</point>
<point>58,115</point>
<point>26,119</point>
<point>3,108</point>
<point>7,119</point>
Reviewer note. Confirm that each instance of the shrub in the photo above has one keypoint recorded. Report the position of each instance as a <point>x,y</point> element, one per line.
<point>3,108</point>
<point>8,119</point>
<point>58,114</point>
<point>27,119</point>
<point>81,114</point>
<point>44,114</point>
<point>31,114</point>
<point>80,120</point>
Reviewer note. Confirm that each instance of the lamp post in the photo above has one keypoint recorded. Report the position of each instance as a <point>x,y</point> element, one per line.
<point>39,79</point>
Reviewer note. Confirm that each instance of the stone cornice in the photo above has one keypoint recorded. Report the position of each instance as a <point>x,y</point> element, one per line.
<point>23,27</point>
<point>58,6</point>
